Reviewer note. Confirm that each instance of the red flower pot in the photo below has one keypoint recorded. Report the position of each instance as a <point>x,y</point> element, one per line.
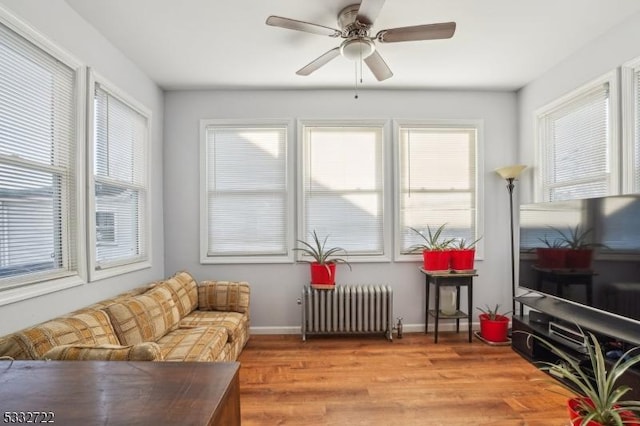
<point>579,258</point>
<point>494,330</point>
<point>436,260</point>
<point>323,273</point>
<point>462,260</point>
<point>551,258</point>
<point>573,407</point>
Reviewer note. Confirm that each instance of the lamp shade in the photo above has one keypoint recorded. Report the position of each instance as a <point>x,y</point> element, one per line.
<point>511,172</point>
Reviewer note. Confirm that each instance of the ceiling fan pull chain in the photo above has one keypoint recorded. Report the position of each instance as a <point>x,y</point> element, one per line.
<point>355,84</point>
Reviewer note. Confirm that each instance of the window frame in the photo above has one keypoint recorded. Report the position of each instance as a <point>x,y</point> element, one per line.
<point>385,127</point>
<point>478,125</point>
<point>630,113</point>
<point>290,217</point>
<point>541,192</point>
<point>45,283</point>
<point>97,272</point>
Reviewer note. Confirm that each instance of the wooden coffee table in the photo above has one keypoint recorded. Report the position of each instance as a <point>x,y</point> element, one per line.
<point>119,393</point>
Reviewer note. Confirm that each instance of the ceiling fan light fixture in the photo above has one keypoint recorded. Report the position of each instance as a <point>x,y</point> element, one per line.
<point>357,48</point>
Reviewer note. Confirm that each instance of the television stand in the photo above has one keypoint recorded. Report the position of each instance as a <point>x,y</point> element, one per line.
<point>605,327</point>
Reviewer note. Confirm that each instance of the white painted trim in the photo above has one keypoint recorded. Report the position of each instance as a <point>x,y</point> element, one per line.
<point>629,122</point>
<point>614,178</point>
<point>114,269</point>
<point>79,276</point>
<point>478,125</point>
<point>290,184</point>
<point>385,126</point>
<point>444,327</point>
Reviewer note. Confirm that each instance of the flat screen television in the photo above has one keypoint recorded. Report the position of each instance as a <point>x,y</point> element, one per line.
<point>605,275</point>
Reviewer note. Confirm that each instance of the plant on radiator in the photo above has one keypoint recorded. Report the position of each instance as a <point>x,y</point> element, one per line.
<point>323,265</point>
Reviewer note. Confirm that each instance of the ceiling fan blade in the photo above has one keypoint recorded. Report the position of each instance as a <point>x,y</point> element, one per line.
<point>378,66</point>
<point>369,11</point>
<point>418,32</point>
<point>292,24</point>
<point>318,62</point>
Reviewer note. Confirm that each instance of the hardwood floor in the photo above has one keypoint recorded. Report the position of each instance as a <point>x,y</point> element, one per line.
<point>410,381</point>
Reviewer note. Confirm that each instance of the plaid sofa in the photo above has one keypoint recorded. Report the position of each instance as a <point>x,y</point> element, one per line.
<point>172,320</point>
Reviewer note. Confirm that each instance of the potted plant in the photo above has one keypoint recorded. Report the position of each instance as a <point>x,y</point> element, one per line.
<point>600,400</point>
<point>553,255</point>
<point>463,255</point>
<point>435,249</point>
<point>580,251</point>
<point>494,326</point>
<point>323,265</point>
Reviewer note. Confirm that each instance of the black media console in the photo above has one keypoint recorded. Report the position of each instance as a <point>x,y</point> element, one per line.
<point>611,331</point>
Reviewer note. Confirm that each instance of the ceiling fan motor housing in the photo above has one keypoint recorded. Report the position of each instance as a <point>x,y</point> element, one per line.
<point>357,48</point>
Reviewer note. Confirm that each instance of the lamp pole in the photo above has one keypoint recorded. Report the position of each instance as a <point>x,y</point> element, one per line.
<point>510,173</point>
<point>510,187</point>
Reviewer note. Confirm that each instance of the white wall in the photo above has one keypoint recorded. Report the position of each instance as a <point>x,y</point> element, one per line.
<point>602,55</point>
<point>59,23</point>
<point>276,287</point>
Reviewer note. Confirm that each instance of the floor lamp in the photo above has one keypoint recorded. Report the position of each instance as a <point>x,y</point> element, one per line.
<point>510,173</point>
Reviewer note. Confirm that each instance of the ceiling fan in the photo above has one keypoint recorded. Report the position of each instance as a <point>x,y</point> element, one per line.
<point>355,22</point>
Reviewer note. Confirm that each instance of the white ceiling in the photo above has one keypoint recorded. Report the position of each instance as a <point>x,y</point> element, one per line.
<point>498,44</point>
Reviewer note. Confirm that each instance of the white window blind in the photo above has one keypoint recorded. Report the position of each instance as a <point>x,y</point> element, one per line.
<point>38,186</point>
<point>246,193</point>
<point>342,187</point>
<point>437,183</point>
<point>576,139</point>
<point>121,181</point>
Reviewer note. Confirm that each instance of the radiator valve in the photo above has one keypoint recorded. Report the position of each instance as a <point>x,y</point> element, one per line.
<point>399,328</point>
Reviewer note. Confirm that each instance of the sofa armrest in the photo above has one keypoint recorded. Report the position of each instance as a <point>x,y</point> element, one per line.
<point>147,351</point>
<point>224,296</point>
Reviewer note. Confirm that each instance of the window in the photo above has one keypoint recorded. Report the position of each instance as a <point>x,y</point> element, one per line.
<point>246,205</point>
<point>437,181</point>
<point>577,138</point>
<point>105,228</point>
<point>631,124</point>
<point>120,182</point>
<point>40,217</point>
<point>342,191</point>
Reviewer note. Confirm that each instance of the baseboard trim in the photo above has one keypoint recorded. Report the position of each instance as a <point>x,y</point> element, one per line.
<point>407,328</point>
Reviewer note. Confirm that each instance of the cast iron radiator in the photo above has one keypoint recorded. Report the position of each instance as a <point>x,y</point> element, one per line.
<point>347,309</point>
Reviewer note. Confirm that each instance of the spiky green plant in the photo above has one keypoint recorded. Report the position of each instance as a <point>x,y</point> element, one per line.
<point>320,253</point>
<point>598,385</point>
<point>432,241</point>
<point>492,313</point>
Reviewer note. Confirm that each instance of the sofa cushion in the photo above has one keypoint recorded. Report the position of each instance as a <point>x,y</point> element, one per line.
<point>234,322</point>
<point>184,290</point>
<point>148,351</point>
<point>144,318</point>
<point>193,344</point>
<point>88,327</point>
<point>223,296</point>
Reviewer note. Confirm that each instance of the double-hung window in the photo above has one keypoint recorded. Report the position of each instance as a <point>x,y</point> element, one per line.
<point>438,181</point>
<point>246,198</point>
<point>41,121</point>
<point>578,144</point>
<point>119,171</point>
<point>631,124</point>
<point>341,194</point>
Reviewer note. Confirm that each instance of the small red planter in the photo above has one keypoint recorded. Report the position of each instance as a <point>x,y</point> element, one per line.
<point>436,260</point>
<point>462,260</point>
<point>551,258</point>
<point>324,274</point>
<point>573,407</point>
<point>494,330</point>
<point>579,259</point>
